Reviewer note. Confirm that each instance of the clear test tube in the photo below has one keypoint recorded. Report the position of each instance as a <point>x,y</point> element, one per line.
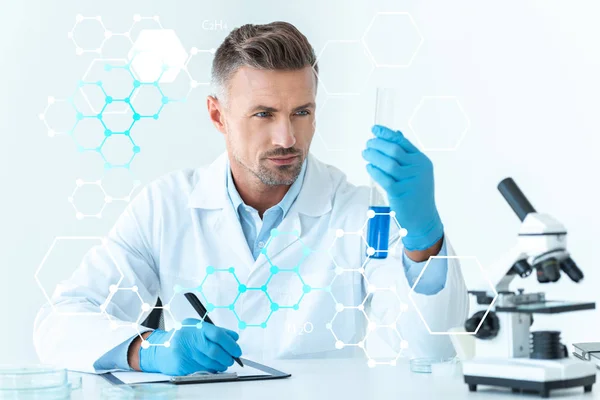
<point>378,229</point>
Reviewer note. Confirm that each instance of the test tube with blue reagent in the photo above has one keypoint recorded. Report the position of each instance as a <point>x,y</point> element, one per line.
<point>378,231</point>
<point>378,228</point>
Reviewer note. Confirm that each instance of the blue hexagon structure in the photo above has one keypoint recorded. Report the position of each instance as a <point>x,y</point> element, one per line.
<point>264,288</point>
<point>304,288</point>
<point>111,101</point>
<point>210,270</point>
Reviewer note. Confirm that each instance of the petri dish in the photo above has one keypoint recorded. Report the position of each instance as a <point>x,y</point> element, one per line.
<point>31,377</point>
<point>154,391</point>
<point>423,365</point>
<point>46,393</point>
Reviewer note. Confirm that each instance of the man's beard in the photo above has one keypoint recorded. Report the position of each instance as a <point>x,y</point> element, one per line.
<point>273,177</point>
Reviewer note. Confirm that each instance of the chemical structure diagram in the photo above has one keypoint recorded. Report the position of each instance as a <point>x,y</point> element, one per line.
<point>372,326</point>
<point>79,184</point>
<point>115,94</point>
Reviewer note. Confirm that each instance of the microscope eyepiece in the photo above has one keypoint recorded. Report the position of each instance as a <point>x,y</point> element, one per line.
<point>515,198</point>
<point>571,269</point>
<point>547,270</point>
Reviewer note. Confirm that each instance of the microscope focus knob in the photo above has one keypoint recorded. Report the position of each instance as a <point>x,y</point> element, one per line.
<point>488,329</point>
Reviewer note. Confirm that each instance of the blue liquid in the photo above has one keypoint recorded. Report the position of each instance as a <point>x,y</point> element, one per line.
<point>378,231</point>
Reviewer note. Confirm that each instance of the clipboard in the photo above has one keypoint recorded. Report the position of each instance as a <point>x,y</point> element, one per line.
<point>198,378</point>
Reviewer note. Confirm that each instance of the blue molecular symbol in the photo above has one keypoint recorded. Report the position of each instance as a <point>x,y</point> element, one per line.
<point>242,288</point>
<point>109,99</point>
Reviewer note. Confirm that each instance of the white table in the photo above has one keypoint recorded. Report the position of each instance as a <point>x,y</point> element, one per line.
<point>340,379</point>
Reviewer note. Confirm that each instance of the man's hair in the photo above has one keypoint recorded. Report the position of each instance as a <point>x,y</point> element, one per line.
<point>275,46</point>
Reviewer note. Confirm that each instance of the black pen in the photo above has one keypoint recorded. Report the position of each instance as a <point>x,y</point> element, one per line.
<point>203,313</point>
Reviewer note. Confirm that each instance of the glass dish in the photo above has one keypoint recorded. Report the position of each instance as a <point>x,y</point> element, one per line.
<point>31,377</point>
<point>423,365</point>
<point>46,393</point>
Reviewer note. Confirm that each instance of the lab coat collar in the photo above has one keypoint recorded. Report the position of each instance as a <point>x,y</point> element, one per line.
<point>284,204</point>
<point>210,192</point>
<point>313,200</point>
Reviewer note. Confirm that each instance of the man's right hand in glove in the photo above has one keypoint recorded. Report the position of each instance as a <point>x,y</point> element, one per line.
<point>201,347</point>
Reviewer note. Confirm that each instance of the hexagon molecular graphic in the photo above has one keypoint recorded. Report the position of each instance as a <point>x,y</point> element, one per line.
<point>397,232</point>
<point>59,116</point>
<point>226,278</point>
<point>342,288</point>
<point>122,295</point>
<point>439,123</point>
<point>350,305</point>
<point>198,66</point>
<point>286,289</point>
<point>389,356</point>
<point>476,268</point>
<point>119,44</point>
<point>117,119</point>
<point>343,318</point>
<point>396,307</point>
<point>119,151</point>
<point>60,261</point>
<point>178,296</point>
<point>180,89</point>
<point>107,81</point>
<point>156,50</point>
<point>88,133</point>
<point>141,23</point>
<point>257,300</point>
<point>344,67</point>
<point>145,310</point>
<point>392,39</point>
<point>90,198</point>
<point>316,270</point>
<point>148,101</point>
<point>87,193</point>
<point>345,242</point>
<point>283,289</point>
<point>279,240</point>
<point>88,34</point>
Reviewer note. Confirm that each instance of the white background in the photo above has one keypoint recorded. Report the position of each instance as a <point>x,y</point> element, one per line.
<point>526,73</point>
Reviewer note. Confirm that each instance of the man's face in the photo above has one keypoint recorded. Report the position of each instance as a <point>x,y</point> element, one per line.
<point>269,122</point>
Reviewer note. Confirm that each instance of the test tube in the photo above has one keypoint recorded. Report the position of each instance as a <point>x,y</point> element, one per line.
<point>378,228</point>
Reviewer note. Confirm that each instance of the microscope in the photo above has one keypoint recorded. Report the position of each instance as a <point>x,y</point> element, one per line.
<point>507,354</point>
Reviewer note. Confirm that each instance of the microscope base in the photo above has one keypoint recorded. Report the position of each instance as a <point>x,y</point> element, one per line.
<point>529,375</point>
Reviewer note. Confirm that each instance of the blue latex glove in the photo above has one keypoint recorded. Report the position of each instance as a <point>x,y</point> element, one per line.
<point>406,174</point>
<point>208,348</point>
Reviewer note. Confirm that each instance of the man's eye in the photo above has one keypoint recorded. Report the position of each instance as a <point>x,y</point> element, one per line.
<point>305,112</point>
<point>263,114</point>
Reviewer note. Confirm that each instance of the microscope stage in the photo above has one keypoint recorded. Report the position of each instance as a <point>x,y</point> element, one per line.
<point>548,307</point>
<point>529,375</point>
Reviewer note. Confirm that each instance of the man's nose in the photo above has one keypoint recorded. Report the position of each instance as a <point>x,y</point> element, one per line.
<point>283,135</point>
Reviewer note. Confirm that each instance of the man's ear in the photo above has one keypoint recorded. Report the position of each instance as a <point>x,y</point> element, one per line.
<point>215,113</point>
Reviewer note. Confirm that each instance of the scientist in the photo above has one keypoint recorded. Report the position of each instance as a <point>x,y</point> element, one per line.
<point>207,227</point>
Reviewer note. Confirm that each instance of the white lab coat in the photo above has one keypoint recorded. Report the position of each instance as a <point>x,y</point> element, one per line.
<point>183,222</point>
